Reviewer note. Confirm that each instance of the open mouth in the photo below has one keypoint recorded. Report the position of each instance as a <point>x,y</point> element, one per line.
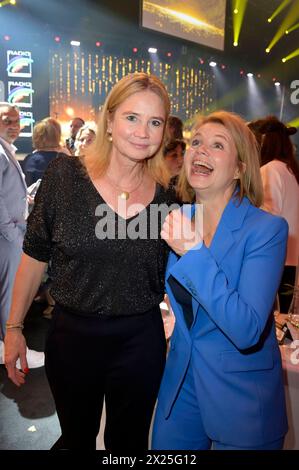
<point>201,168</point>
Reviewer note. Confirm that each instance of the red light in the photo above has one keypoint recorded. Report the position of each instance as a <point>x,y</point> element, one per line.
<point>135,49</point>
<point>57,38</point>
<point>6,37</point>
<point>169,54</point>
<point>274,79</point>
<point>223,67</point>
<point>98,43</point>
<point>241,72</point>
<point>201,61</point>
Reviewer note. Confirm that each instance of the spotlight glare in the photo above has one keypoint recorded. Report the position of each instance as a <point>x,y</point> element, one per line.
<point>267,50</point>
<point>235,43</point>
<point>152,50</point>
<point>269,20</point>
<point>75,43</point>
<point>6,37</point>
<point>286,32</point>
<point>283,60</point>
<point>98,43</point>
<point>57,39</point>
<point>236,11</point>
<point>135,49</point>
<point>277,83</point>
<point>250,74</point>
<point>212,63</point>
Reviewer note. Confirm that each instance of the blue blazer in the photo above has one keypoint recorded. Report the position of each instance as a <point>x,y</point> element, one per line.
<point>231,345</point>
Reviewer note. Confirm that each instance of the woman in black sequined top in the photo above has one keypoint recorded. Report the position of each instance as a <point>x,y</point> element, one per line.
<point>98,219</point>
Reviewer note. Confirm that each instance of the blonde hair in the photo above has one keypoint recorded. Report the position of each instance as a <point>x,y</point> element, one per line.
<point>98,156</point>
<point>250,182</point>
<point>46,134</point>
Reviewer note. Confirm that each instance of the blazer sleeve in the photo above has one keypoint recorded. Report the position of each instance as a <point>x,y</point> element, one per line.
<point>8,228</point>
<point>240,311</point>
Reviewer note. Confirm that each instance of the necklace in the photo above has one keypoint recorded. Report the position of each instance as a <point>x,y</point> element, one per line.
<point>124,194</point>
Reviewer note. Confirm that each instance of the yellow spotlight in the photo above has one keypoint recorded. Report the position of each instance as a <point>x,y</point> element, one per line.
<point>240,7</point>
<point>278,10</point>
<point>13,2</point>
<point>293,54</point>
<point>288,21</point>
<point>267,50</point>
<point>287,32</point>
<point>269,20</point>
<point>236,11</point>
<point>294,123</point>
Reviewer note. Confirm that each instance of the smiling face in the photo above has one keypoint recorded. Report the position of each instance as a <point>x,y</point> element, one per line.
<point>211,161</point>
<point>137,126</point>
<point>9,124</point>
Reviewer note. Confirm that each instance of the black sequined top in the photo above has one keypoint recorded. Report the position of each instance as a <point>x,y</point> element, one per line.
<point>93,274</point>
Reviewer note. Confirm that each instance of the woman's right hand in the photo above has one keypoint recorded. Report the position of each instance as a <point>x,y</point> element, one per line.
<point>15,347</point>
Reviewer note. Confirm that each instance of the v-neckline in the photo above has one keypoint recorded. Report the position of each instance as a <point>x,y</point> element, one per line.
<point>114,211</point>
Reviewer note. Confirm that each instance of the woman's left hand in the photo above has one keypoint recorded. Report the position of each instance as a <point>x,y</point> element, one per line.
<point>180,232</point>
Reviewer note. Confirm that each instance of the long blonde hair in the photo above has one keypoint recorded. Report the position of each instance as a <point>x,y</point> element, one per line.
<point>97,156</point>
<point>250,182</point>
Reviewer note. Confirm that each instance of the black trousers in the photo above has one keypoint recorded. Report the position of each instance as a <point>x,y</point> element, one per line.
<point>121,358</point>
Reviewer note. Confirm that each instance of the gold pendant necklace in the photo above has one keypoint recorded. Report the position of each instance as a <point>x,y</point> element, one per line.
<point>124,194</point>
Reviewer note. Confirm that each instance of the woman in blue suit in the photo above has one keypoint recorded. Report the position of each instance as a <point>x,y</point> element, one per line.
<point>222,386</point>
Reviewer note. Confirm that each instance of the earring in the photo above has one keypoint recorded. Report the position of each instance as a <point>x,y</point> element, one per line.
<point>109,137</point>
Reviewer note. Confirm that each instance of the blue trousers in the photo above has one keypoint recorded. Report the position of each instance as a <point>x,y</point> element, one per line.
<point>184,429</point>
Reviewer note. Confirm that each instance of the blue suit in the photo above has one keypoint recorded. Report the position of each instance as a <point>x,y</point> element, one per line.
<point>13,212</point>
<point>223,376</point>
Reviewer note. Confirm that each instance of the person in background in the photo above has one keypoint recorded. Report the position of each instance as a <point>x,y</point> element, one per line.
<point>85,136</point>
<point>75,125</point>
<point>46,142</point>
<point>223,384</point>
<point>13,213</point>
<point>280,176</point>
<point>174,156</point>
<point>107,337</point>
<point>174,129</point>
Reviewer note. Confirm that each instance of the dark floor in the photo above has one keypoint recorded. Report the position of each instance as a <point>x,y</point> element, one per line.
<point>28,420</point>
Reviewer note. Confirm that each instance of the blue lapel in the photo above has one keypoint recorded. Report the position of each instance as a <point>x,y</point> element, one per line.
<point>232,219</point>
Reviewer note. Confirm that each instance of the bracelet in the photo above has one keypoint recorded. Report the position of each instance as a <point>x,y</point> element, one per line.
<point>14,325</point>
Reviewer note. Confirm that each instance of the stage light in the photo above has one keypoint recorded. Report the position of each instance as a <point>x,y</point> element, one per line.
<point>293,13</point>
<point>12,2</point>
<point>98,43</point>
<point>212,63</point>
<point>75,43</point>
<point>223,66</point>
<point>241,72</point>
<point>277,83</point>
<point>57,39</point>
<point>6,37</point>
<point>169,54</point>
<point>278,10</point>
<point>287,32</point>
<point>135,50</point>
<point>267,50</point>
<point>250,74</point>
<point>293,54</point>
<point>152,50</point>
<point>201,61</point>
<point>258,75</point>
<point>238,6</point>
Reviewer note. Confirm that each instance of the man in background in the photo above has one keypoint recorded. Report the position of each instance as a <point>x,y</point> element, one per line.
<point>13,214</point>
<point>75,125</point>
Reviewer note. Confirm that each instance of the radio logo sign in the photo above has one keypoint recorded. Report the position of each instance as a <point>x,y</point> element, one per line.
<point>19,64</point>
<point>20,93</point>
<point>26,122</point>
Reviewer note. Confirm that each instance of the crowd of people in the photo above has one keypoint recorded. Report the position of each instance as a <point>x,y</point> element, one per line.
<point>124,214</point>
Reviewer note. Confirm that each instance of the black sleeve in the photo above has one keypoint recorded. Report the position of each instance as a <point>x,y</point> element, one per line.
<point>38,238</point>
